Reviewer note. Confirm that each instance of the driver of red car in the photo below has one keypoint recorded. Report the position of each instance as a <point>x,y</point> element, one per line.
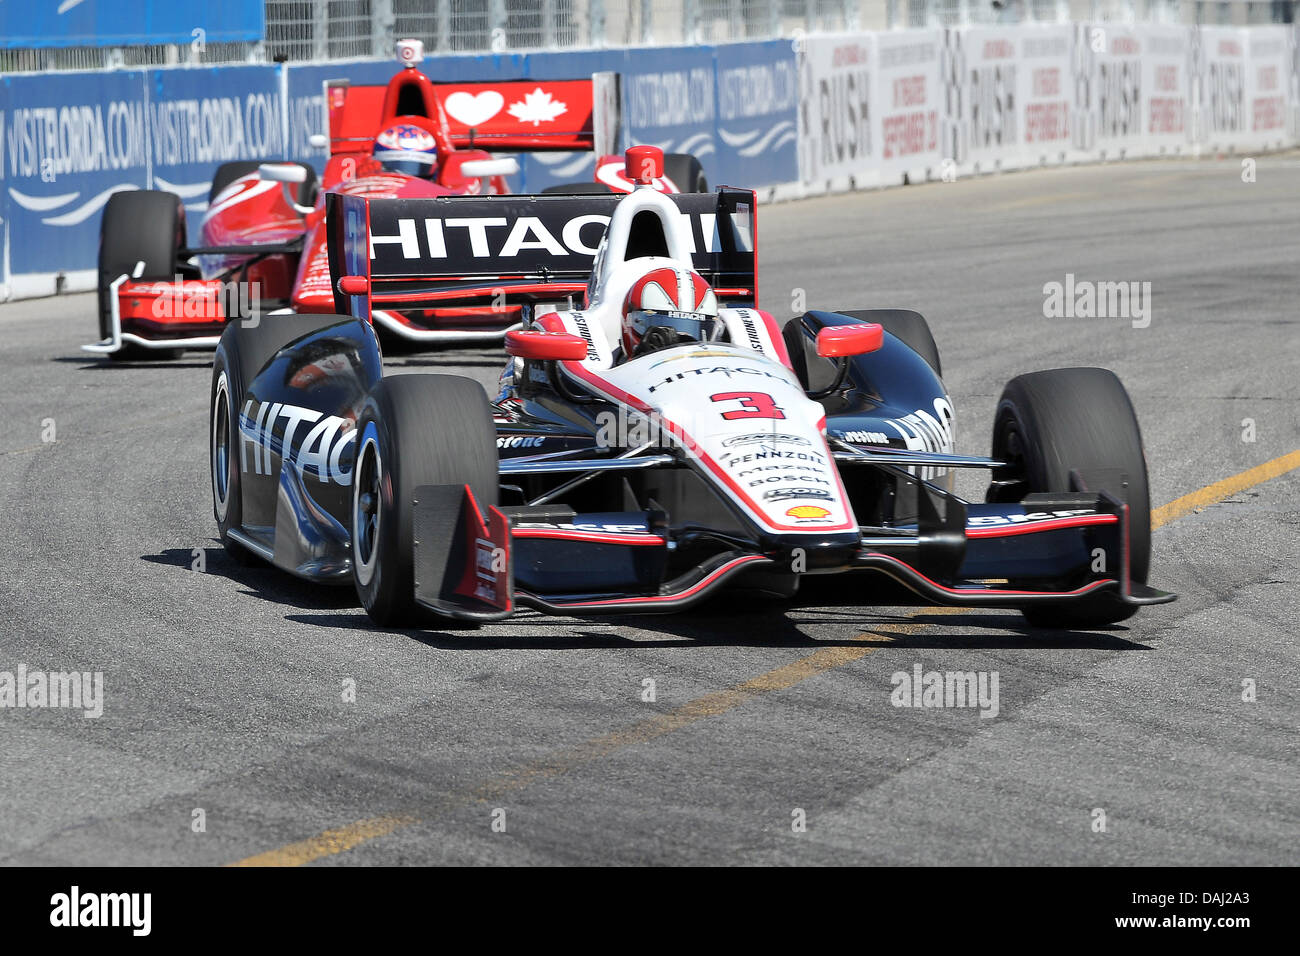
<point>668,306</point>
<point>409,149</point>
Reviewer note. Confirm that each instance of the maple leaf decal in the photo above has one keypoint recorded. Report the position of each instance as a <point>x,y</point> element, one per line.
<point>537,107</point>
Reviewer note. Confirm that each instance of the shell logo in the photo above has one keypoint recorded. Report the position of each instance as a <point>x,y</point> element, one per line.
<point>807,511</point>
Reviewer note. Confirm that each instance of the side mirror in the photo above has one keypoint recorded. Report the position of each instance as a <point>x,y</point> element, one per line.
<point>282,172</point>
<point>318,141</point>
<point>840,341</point>
<point>479,168</point>
<point>546,346</point>
<point>354,285</point>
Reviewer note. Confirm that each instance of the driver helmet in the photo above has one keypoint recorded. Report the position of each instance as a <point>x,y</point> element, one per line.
<point>668,306</point>
<point>408,149</point>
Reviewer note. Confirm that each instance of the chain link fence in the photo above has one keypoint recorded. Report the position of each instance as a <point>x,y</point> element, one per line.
<point>317,30</point>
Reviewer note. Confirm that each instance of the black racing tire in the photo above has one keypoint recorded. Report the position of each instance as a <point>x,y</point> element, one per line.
<point>577,189</point>
<point>907,326</point>
<point>138,226</point>
<point>686,172</point>
<point>241,354</point>
<point>413,430</point>
<point>1049,423</point>
<point>227,173</point>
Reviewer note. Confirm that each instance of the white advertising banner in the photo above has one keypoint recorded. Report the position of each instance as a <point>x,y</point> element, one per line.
<point>1166,88</point>
<point>1268,81</point>
<point>836,112</point>
<point>1294,96</point>
<point>1219,89</point>
<point>1117,60</point>
<point>908,102</point>
<point>1007,92</point>
<point>1045,92</point>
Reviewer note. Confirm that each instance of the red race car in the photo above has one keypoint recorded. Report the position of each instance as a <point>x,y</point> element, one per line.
<point>262,248</point>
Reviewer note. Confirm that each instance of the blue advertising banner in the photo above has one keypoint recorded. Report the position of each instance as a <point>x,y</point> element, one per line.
<point>733,107</point>
<point>201,118</point>
<point>67,142</point>
<point>129,22</point>
<point>757,88</point>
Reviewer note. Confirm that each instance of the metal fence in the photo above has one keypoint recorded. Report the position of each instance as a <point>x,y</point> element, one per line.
<point>316,30</point>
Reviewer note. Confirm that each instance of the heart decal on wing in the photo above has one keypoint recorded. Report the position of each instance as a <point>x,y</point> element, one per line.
<point>473,109</point>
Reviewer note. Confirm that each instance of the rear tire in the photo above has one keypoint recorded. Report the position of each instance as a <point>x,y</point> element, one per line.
<point>413,430</point>
<point>138,226</point>
<point>686,172</point>
<point>577,189</point>
<point>1048,423</point>
<point>907,326</point>
<point>240,355</point>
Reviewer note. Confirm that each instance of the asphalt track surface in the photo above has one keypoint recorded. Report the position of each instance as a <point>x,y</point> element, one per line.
<point>224,688</point>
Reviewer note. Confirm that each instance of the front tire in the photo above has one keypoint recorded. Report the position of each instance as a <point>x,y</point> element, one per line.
<point>1049,423</point>
<point>241,354</point>
<point>413,430</point>
<point>139,226</point>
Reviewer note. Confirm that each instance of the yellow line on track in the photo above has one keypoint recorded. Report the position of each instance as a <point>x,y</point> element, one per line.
<point>332,842</point>
<point>328,843</point>
<point>711,705</point>
<point>1204,497</point>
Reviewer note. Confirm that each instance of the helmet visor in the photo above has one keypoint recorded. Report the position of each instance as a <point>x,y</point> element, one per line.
<point>692,325</point>
<point>406,164</point>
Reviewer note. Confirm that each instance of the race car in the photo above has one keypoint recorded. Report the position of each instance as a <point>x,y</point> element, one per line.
<point>657,439</point>
<point>262,247</point>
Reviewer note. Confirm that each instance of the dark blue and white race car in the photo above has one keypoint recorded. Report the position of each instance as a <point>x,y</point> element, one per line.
<point>657,438</point>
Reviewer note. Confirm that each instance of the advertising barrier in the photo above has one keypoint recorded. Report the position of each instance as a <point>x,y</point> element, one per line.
<point>1117,109</point>
<point>1220,89</point>
<point>789,117</point>
<point>68,141</point>
<point>908,103</point>
<point>735,107</point>
<point>836,112</point>
<point>1269,64</point>
<point>1166,89</point>
<point>1008,96</point>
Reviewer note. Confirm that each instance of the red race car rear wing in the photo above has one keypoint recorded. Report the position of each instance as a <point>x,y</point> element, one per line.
<point>511,250</point>
<point>502,115</point>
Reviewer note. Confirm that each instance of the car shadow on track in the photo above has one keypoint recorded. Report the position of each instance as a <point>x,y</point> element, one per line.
<point>261,580</point>
<point>725,621</point>
<point>102,364</point>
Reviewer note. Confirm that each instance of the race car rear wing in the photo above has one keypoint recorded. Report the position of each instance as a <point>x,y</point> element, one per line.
<point>512,250</point>
<point>500,115</point>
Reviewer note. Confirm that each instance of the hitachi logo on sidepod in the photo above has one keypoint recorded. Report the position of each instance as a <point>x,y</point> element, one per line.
<point>322,450</point>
